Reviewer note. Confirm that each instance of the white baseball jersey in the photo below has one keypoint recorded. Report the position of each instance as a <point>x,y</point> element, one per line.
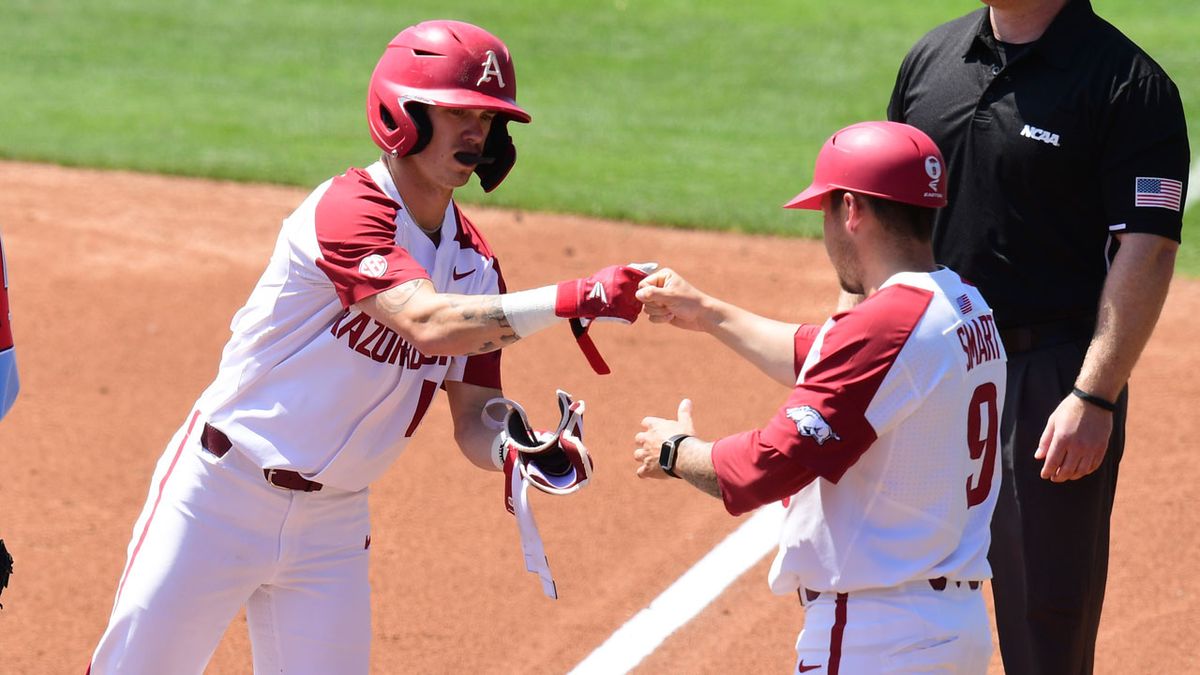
<point>309,383</point>
<point>886,445</point>
<point>9,383</point>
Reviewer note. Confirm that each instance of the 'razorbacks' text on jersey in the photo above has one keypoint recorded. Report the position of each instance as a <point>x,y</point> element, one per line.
<point>886,448</point>
<point>309,383</point>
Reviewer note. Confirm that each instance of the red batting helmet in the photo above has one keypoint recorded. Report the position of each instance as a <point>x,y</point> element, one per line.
<point>883,159</point>
<point>443,63</point>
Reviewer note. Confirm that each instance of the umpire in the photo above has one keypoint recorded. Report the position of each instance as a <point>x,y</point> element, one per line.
<point>1067,156</point>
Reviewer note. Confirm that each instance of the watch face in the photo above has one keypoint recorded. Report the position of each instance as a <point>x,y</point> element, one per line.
<point>666,458</point>
<point>670,453</point>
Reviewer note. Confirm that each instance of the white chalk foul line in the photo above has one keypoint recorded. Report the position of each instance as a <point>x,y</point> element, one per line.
<point>688,596</point>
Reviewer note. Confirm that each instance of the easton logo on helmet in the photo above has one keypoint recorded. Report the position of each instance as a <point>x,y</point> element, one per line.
<point>933,169</point>
<point>491,67</point>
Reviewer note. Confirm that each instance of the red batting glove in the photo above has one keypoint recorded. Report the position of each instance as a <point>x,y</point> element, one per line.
<point>607,294</point>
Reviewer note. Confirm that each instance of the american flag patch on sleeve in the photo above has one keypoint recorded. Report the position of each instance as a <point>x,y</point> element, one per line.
<point>1161,192</point>
<point>964,304</point>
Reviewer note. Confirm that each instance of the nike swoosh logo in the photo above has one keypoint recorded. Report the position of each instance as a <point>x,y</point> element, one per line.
<point>804,669</point>
<point>463,275</point>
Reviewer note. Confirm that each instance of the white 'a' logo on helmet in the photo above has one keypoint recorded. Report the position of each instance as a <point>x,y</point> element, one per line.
<point>491,66</point>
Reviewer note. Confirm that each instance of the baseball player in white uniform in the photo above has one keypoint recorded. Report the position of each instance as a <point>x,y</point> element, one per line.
<point>379,293</point>
<point>885,451</point>
<point>9,383</point>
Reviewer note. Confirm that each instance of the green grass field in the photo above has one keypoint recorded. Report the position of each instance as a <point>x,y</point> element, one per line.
<point>663,111</point>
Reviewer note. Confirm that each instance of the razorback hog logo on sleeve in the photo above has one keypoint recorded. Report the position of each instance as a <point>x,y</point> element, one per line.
<point>810,423</point>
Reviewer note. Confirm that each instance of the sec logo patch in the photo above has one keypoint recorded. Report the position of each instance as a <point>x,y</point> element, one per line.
<point>373,266</point>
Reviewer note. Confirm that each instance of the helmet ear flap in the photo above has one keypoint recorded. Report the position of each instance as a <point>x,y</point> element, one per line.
<point>419,114</point>
<point>498,146</point>
<point>391,127</point>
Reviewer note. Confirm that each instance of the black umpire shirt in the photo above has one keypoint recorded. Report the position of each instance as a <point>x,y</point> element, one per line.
<point>1050,148</point>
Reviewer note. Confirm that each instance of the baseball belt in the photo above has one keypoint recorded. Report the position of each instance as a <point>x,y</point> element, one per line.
<point>216,443</point>
<point>808,595</point>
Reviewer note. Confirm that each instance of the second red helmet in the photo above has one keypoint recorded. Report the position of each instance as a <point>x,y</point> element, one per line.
<point>883,159</point>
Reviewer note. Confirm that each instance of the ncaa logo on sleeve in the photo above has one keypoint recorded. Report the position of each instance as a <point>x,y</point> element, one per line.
<point>810,423</point>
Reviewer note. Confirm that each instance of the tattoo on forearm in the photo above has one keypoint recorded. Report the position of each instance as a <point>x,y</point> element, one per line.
<point>476,311</point>
<point>493,312</point>
<point>487,312</point>
<point>490,346</point>
<point>393,301</point>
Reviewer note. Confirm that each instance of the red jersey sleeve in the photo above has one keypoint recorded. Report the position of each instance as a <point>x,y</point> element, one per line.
<point>356,234</point>
<point>822,429</point>
<point>805,336</point>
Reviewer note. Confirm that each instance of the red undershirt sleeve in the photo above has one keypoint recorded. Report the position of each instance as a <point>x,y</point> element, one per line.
<point>806,335</point>
<point>484,369</point>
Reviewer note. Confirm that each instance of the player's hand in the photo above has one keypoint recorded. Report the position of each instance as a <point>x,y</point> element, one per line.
<point>657,431</point>
<point>1075,440</point>
<point>607,294</point>
<point>669,298</point>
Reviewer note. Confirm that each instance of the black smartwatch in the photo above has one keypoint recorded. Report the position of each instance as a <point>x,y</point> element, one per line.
<point>670,453</point>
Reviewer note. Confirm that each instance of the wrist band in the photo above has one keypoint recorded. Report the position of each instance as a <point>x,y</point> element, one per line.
<point>1095,400</point>
<point>530,311</point>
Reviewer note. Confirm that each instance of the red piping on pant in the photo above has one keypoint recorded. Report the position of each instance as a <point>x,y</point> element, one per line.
<point>161,486</point>
<point>836,633</point>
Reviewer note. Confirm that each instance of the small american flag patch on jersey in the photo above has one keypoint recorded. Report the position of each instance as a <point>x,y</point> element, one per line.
<point>1161,192</point>
<point>964,304</point>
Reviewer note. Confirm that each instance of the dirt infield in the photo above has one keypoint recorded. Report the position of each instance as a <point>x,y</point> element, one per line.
<point>122,289</point>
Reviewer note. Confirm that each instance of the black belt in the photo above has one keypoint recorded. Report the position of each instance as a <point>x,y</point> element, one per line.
<point>217,443</point>
<point>808,595</point>
<point>1020,339</point>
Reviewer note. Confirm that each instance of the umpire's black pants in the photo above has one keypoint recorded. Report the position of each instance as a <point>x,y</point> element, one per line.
<point>1049,551</point>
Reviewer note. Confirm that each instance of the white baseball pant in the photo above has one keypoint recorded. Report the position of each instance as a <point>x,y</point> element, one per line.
<point>911,628</point>
<point>214,536</point>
